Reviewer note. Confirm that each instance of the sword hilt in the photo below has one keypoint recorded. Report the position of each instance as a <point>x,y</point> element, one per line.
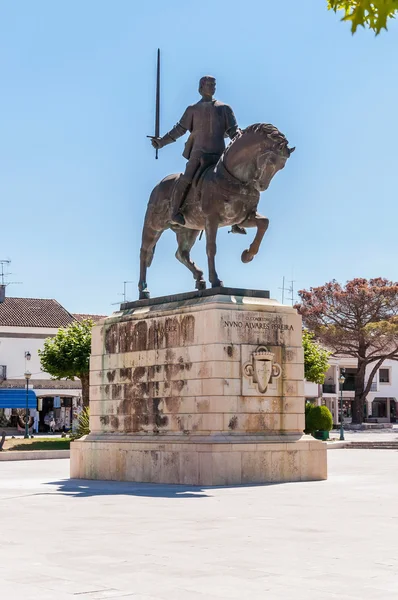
<point>154,137</point>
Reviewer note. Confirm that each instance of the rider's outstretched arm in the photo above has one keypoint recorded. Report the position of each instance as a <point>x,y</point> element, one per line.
<point>178,130</point>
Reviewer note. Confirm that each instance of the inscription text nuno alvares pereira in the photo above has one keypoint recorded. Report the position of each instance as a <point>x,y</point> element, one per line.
<point>260,323</point>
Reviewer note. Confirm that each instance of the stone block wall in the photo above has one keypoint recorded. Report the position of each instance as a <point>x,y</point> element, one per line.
<point>182,370</point>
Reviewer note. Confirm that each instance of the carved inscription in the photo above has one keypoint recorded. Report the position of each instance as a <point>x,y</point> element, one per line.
<point>162,329</point>
<point>255,322</point>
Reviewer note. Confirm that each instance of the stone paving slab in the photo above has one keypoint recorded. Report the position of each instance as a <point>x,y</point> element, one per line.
<point>33,454</point>
<point>376,435</point>
<point>334,539</point>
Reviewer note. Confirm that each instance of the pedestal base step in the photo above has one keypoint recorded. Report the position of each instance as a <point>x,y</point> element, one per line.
<point>193,463</point>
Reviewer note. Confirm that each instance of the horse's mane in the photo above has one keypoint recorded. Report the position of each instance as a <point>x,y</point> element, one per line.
<point>268,130</point>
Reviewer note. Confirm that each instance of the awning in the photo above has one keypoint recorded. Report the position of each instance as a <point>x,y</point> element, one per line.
<point>10,398</point>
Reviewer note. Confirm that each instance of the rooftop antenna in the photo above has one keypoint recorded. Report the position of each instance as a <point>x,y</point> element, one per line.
<point>4,274</point>
<point>124,293</point>
<point>291,291</point>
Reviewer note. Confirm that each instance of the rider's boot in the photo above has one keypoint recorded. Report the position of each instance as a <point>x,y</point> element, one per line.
<point>177,198</point>
<point>238,229</point>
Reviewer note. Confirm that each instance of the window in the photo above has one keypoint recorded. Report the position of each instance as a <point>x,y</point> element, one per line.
<point>384,375</point>
<point>3,372</point>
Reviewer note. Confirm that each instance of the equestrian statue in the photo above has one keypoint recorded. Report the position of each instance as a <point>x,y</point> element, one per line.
<point>220,186</point>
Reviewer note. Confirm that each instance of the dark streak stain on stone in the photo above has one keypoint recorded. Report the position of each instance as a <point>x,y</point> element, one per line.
<point>178,385</point>
<point>140,336</point>
<point>170,355</point>
<point>123,337</point>
<point>155,456</point>
<point>187,329</point>
<point>233,422</point>
<point>111,376</point>
<point>114,422</point>
<point>156,335</point>
<point>116,391</point>
<point>125,373</point>
<point>111,339</point>
<point>172,370</point>
<point>128,423</point>
<point>139,373</point>
<point>160,420</point>
<point>172,331</point>
<point>141,412</point>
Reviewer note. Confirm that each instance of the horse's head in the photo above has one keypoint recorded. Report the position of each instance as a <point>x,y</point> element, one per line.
<point>257,154</point>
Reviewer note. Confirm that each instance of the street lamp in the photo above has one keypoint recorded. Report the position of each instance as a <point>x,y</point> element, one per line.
<point>341,382</point>
<point>28,375</point>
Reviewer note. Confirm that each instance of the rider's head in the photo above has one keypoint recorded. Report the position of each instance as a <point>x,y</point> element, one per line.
<point>207,86</point>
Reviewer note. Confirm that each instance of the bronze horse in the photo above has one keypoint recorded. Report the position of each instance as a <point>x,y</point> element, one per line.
<point>225,194</point>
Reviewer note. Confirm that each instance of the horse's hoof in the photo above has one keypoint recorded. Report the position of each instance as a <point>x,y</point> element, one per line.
<point>217,283</point>
<point>145,295</point>
<point>246,256</point>
<point>200,285</point>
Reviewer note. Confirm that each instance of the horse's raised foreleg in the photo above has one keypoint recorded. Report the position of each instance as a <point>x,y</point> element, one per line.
<point>262,225</point>
<point>211,249</point>
<point>186,239</point>
<point>149,238</point>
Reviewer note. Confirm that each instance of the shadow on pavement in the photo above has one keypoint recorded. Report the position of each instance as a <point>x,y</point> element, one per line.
<point>85,488</point>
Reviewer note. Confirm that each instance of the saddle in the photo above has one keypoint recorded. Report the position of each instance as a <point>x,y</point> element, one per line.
<point>219,181</point>
<point>195,188</point>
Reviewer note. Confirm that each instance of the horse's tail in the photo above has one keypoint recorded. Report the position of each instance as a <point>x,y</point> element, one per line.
<point>156,220</point>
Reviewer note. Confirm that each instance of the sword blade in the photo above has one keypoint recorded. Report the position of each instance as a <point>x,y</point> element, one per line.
<point>157,114</point>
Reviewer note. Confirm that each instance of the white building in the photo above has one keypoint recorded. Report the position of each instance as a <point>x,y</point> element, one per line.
<point>24,325</point>
<point>381,402</point>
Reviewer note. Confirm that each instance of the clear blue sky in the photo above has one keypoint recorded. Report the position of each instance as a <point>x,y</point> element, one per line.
<point>76,168</point>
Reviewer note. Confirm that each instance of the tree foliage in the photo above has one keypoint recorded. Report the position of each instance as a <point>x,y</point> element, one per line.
<point>373,14</point>
<point>67,354</point>
<point>358,320</point>
<point>316,359</point>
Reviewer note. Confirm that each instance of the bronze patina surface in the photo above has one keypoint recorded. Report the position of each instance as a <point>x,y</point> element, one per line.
<point>220,187</point>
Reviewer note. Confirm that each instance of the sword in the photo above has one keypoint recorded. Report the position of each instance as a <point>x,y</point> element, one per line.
<point>157,110</point>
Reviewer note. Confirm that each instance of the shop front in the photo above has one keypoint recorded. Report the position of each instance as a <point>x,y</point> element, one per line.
<point>56,413</point>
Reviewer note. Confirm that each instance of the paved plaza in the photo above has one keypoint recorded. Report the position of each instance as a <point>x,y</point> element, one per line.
<point>334,539</point>
<point>370,435</point>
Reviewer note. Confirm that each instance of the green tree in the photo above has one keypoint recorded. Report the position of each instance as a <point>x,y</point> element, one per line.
<point>67,354</point>
<point>358,320</point>
<point>316,359</point>
<point>365,13</point>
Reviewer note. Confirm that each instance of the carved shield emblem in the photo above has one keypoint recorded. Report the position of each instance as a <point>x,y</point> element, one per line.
<point>262,368</point>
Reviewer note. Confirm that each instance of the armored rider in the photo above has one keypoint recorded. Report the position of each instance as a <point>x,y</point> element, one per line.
<point>209,122</point>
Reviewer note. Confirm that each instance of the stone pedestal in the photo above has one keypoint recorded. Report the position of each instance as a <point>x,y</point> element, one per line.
<point>199,389</point>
